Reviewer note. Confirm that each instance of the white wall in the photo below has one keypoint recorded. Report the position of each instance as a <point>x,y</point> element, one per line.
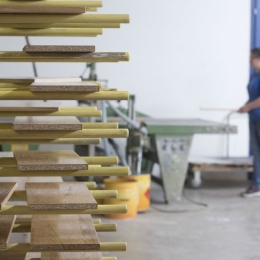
<point>185,54</point>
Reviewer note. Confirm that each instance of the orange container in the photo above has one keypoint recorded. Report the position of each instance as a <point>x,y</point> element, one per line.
<point>144,187</point>
<point>127,195</point>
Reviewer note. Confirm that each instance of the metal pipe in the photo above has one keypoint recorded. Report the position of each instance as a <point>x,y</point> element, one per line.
<point>126,119</point>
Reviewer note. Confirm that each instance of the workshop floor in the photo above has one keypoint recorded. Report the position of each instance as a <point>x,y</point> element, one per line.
<point>229,229</point>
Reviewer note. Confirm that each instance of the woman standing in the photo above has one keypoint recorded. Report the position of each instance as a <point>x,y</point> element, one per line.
<point>253,108</point>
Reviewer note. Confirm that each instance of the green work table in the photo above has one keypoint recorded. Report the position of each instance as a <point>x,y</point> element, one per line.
<point>169,145</point>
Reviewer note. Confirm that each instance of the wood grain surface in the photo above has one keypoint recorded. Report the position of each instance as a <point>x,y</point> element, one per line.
<point>12,255</point>
<point>6,191</point>
<point>58,48</point>
<point>63,195</point>
<point>60,87</point>
<point>6,226</point>
<point>28,219</point>
<point>33,106</point>
<point>65,160</point>
<point>21,56</point>
<point>71,256</point>
<point>29,80</point>
<point>58,232</point>
<point>41,123</point>
<point>41,10</point>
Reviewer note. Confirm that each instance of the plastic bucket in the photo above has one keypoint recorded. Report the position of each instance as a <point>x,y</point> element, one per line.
<point>127,195</point>
<point>144,187</point>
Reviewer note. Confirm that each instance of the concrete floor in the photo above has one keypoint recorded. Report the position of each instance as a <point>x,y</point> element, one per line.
<point>229,229</point>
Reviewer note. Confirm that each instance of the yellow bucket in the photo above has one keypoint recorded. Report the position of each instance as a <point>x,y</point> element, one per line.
<point>127,195</point>
<point>144,187</point>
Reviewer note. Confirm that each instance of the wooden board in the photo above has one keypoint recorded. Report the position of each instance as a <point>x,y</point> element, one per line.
<point>61,195</point>
<point>53,87</point>
<point>6,191</point>
<point>71,256</point>
<point>30,106</point>
<point>63,232</point>
<point>49,161</point>
<point>6,226</point>
<point>31,80</point>
<point>8,255</point>
<point>41,10</point>
<point>28,219</point>
<point>58,48</point>
<point>41,123</point>
<point>20,56</point>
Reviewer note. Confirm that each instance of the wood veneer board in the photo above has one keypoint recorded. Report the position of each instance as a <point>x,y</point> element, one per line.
<point>28,219</point>
<point>6,226</point>
<point>6,191</point>
<point>61,195</point>
<point>31,80</point>
<point>68,232</point>
<point>16,56</point>
<point>60,87</point>
<point>41,123</point>
<point>71,256</point>
<point>33,106</point>
<point>49,161</point>
<point>12,255</point>
<point>41,10</point>
<point>58,48</point>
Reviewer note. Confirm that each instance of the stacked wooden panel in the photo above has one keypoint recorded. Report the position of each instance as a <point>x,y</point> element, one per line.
<point>59,214</point>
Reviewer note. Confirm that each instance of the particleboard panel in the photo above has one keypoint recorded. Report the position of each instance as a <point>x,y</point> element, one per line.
<point>58,48</point>
<point>49,161</point>
<point>41,10</point>
<point>60,87</point>
<point>68,232</point>
<point>6,191</point>
<point>30,106</point>
<point>28,219</point>
<point>12,255</point>
<point>71,256</point>
<point>63,195</point>
<point>31,80</point>
<point>20,56</point>
<point>6,226</point>
<point>41,123</point>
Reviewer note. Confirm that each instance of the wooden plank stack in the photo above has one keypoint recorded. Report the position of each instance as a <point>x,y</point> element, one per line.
<point>58,215</point>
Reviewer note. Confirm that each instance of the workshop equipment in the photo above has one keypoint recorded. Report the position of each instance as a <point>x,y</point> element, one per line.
<point>226,163</point>
<point>166,142</point>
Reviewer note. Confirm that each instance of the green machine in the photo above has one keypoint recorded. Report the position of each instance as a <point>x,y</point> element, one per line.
<point>166,142</point>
